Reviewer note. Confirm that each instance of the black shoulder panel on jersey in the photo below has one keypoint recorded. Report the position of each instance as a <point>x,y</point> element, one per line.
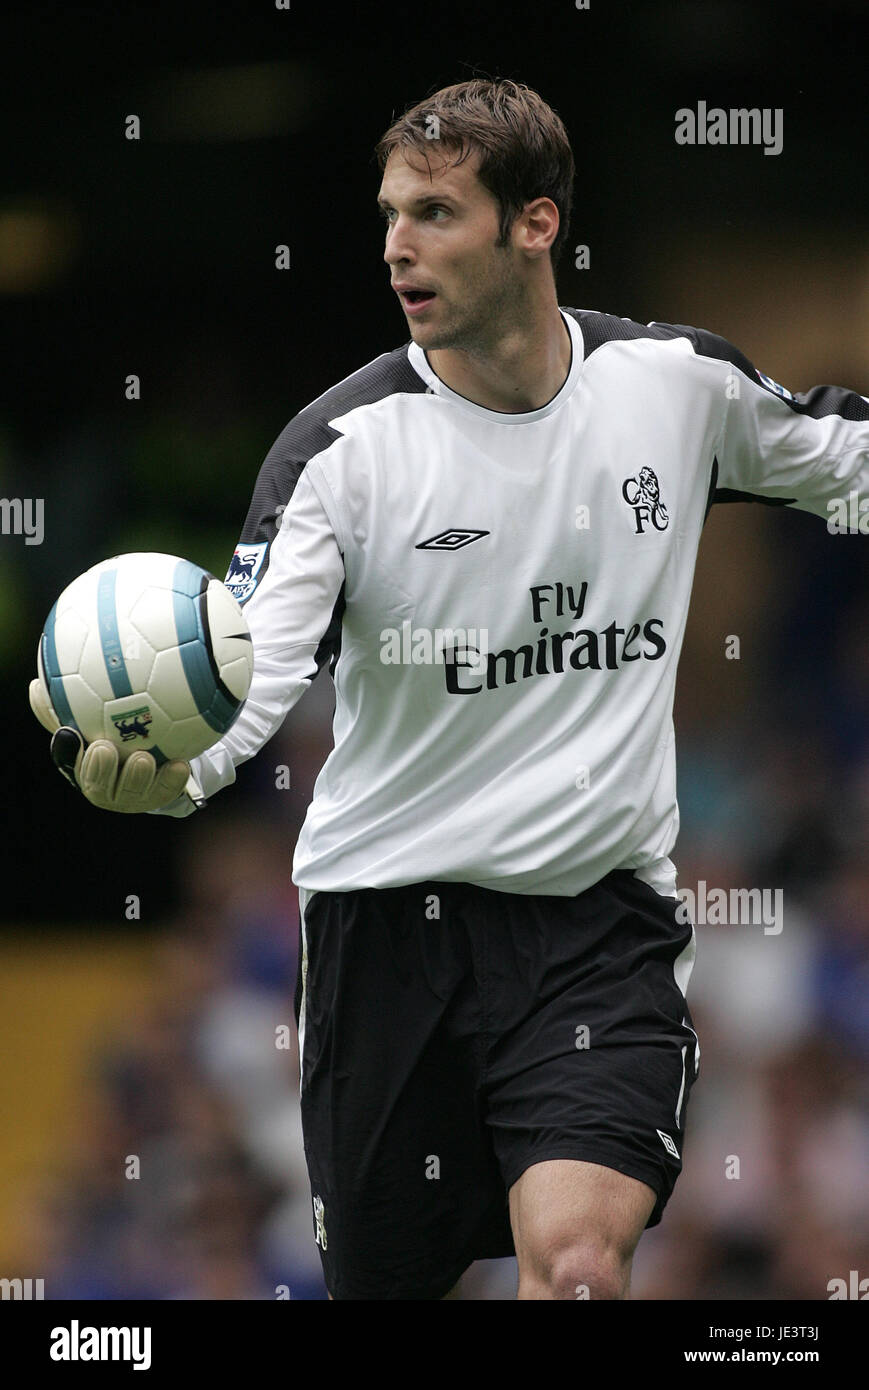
<point>817,402</point>
<point>307,434</point>
<point>310,433</point>
<point>598,329</point>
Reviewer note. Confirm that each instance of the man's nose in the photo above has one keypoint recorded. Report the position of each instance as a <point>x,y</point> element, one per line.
<point>399,243</point>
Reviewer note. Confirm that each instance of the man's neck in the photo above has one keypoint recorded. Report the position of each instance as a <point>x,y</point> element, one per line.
<point>522,371</point>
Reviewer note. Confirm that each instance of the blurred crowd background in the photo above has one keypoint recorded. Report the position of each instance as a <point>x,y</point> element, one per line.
<point>151,1144</point>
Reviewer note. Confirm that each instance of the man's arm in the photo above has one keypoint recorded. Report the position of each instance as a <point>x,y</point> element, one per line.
<point>294,616</point>
<point>805,449</point>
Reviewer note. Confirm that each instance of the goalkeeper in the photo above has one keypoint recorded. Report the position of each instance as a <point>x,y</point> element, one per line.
<point>496,1048</point>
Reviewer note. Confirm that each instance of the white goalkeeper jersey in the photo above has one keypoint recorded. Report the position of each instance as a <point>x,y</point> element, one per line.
<point>501,599</point>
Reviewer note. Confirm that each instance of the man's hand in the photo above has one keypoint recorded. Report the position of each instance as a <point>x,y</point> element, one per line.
<point>93,768</point>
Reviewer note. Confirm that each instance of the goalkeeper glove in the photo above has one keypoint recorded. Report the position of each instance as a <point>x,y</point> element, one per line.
<point>93,768</point>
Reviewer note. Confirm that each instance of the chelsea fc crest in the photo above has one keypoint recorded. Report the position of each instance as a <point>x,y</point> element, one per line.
<point>643,495</point>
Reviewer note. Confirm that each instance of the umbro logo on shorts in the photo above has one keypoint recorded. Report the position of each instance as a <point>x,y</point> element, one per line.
<point>320,1238</point>
<point>668,1143</point>
<point>453,539</point>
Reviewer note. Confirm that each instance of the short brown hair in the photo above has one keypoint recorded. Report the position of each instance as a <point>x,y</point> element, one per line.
<point>524,149</point>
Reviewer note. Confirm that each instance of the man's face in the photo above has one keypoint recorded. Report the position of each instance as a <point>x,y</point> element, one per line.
<point>440,237</point>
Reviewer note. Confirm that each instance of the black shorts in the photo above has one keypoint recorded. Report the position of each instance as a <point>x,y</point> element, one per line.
<point>451,1036</point>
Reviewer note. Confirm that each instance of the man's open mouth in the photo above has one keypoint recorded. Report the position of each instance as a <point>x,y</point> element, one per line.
<point>417,296</point>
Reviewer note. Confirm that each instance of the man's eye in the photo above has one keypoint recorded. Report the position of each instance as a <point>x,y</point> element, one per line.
<point>388,213</point>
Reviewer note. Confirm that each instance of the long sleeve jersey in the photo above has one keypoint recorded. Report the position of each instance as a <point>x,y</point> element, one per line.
<point>501,600</point>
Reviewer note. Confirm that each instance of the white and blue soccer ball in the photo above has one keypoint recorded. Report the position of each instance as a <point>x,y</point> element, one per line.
<point>150,652</point>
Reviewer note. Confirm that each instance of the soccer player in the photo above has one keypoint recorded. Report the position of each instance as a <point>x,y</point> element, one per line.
<point>489,533</point>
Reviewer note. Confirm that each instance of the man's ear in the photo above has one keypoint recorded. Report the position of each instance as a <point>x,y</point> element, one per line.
<point>539,224</point>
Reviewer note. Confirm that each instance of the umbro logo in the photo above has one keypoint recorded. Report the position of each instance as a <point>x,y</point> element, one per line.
<point>668,1143</point>
<point>453,539</point>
